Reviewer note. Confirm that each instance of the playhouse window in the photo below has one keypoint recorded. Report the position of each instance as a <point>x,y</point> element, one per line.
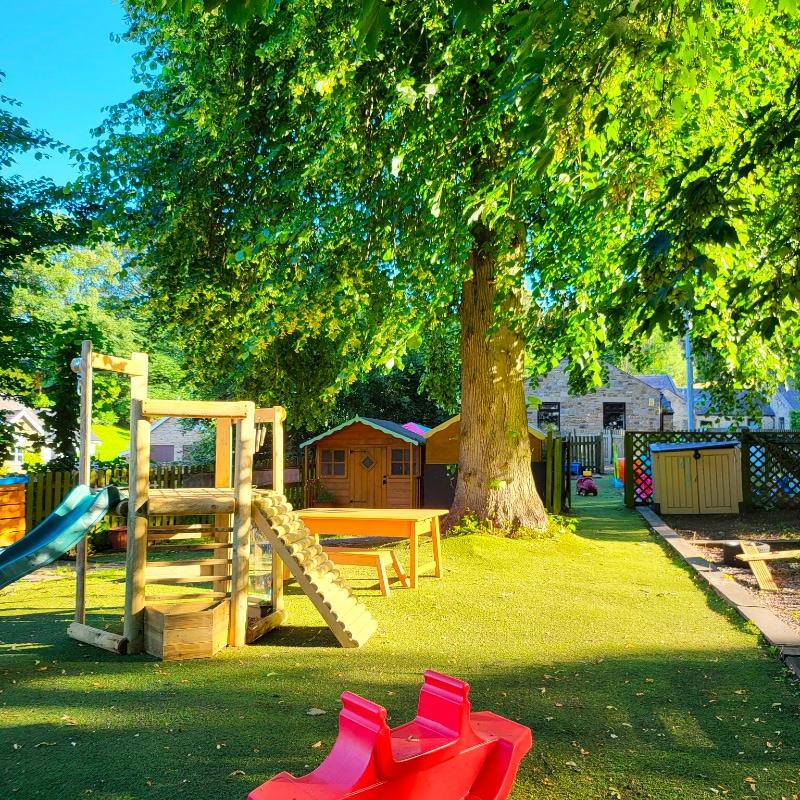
<point>333,462</point>
<point>401,461</point>
<point>548,416</point>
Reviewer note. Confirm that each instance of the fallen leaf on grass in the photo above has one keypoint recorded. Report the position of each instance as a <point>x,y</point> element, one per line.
<point>67,720</point>
<point>317,744</point>
<point>236,773</point>
<point>315,712</point>
<point>45,744</point>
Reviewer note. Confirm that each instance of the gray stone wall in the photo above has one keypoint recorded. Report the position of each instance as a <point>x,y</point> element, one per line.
<point>583,414</point>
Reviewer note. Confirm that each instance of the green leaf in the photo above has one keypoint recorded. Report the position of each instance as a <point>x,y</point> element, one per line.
<point>470,13</point>
<point>372,22</point>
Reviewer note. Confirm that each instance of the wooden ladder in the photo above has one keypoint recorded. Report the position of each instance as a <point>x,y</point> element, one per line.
<point>348,618</point>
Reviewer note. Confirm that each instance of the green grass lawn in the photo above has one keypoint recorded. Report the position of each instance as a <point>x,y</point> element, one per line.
<point>635,682</point>
<point>114,439</point>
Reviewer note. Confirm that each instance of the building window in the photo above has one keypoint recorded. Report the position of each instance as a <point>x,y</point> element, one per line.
<point>781,423</point>
<point>614,416</point>
<point>548,415</point>
<point>19,454</point>
<point>401,461</point>
<point>333,463</point>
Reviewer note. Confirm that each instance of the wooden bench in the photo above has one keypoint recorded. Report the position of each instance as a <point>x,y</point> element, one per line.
<point>758,563</point>
<point>368,551</point>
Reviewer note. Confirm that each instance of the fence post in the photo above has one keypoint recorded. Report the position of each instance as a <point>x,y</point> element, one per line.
<point>558,475</point>
<point>628,476</point>
<point>747,474</point>
<point>548,468</point>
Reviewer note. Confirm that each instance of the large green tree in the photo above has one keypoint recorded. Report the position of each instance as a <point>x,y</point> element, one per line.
<point>317,189</point>
<point>35,220</point>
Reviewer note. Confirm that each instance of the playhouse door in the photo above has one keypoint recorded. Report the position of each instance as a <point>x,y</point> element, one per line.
<point>367,470</point>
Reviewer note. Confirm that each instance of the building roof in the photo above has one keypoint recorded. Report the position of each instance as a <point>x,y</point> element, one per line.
<point>703,401</point>
<point>15,411</point>
<point>791,397</point>
<point>392,428</point>
<point>538,433</point>
<point>741,405</point>
<point>416,428</point>
<point>661,382</point>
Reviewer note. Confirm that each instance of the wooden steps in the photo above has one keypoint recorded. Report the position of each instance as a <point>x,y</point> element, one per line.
<point>348,618</point>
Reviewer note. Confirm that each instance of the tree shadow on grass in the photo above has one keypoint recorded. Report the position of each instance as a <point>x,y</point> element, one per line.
<point>655,725</point>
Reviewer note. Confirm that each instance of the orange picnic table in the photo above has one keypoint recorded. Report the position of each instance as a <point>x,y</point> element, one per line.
<point>405,523</point>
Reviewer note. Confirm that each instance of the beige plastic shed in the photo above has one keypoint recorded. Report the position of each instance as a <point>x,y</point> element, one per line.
<point>697,477</point>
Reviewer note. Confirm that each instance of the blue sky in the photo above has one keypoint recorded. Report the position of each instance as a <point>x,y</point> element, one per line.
<point>62,66</point>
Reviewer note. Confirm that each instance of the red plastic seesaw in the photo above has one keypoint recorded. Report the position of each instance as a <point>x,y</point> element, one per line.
<point>445,753</point>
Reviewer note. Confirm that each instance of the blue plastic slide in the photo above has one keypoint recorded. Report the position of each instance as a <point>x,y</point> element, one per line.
<point>57,534</point>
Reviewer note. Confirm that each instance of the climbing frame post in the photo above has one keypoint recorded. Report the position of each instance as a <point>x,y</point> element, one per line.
<point>223,479</point>
<point>138,491</point>
<point>84,473</point>
<point>277,486</point>
<point>242,520</point>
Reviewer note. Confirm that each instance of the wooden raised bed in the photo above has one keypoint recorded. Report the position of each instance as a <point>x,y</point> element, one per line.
<point>187,630</point>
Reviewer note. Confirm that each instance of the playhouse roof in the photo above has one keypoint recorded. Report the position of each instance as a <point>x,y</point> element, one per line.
<point>532,429</point>
<point>392,428</point>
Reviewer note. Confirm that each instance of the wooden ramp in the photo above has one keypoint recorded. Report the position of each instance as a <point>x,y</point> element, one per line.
<point>346,616</point>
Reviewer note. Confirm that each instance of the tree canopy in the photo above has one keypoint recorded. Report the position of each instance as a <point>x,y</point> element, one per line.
<point>313,191</point>
<point>35,219</point>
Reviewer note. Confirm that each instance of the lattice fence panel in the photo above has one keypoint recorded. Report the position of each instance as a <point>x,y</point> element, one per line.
<point>774,469</point>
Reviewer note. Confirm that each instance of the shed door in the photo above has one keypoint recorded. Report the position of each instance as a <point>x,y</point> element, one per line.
<point>367,469</point>
<point>676,482</point>
<point>717,475</point>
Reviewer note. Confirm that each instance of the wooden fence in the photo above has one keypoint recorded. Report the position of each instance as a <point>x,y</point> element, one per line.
<point>587,451</point>
<point>558,485</point>
<point>46,489</point>
<point>770,465</point>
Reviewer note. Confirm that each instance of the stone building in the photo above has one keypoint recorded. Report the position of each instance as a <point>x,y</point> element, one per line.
<point>171,439</point>
<point>784,402</point>
<point>625,402</point>
<point>746,409</point>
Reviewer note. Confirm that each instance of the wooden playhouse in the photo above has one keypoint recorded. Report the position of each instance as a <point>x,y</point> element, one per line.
<point>442,449</point>
<point>365,463</point>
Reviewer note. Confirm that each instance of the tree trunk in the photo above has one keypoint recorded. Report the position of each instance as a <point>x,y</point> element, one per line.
<point>495,482</point>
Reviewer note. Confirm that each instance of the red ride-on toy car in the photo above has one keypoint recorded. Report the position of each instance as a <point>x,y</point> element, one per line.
<point>585,485</point>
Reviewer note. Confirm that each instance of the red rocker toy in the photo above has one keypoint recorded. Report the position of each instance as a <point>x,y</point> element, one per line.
<point>446,753</point>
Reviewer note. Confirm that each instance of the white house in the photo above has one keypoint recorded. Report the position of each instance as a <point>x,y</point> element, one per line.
<point>28,427</point>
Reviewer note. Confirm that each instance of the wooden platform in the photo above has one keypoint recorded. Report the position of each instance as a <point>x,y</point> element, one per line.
<point>177,502</point>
